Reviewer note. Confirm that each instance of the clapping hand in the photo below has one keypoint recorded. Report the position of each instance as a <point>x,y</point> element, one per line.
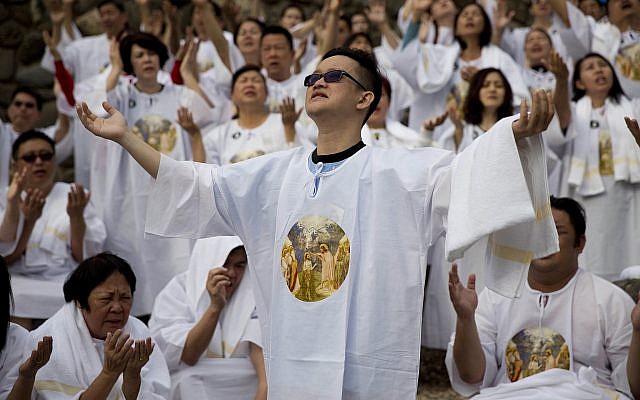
<point>536,121</point>
<point>18,184</point>
<point>32,204</point>
<point>464,299</point>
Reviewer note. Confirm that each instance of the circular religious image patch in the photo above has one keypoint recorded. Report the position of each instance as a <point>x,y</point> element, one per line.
<point>157,131</point>
<point>315,258</point>
<point>534,350</point>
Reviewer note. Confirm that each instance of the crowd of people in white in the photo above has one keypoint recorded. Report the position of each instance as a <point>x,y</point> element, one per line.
<point>290,208</point>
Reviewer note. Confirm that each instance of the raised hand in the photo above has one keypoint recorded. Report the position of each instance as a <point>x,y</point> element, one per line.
<point>39,358</point>
<point>288,111</point>
<point>464,299</point>
<point>467,73</point>
<point>557,66</point>
<point>300,51</point>
<point>185,119</point>
<point>217,283</point>
<point>77,200</point>
<point>454,115</point>
<point>113,127</point>
<point>32,204</point>
<point>53,47</point>
<point>141,352</point>
<point>18,184</point>
<point>536,121</point>
<point>502,17</point>
<point>376,12</point>
<point>114,55</point>
<point>433,123</point>
<point>632,124</point>
<point>117,352</point>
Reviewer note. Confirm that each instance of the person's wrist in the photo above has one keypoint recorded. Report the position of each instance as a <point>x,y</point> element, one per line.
<point>215,307</point>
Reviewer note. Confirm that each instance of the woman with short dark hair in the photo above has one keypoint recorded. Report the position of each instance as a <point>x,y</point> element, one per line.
<point>101,351</point>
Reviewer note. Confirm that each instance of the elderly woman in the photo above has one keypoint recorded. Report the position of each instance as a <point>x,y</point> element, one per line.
<point>46,228</point>
<point>17,375</point>
<point>205,323</point>
<point>101,352</point>
<point>256,131</point>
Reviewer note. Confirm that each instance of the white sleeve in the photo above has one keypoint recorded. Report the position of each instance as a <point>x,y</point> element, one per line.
<point>187,201</point>
<point>95,233</point>
<point>16,350</point>
<point>436,66</point>
<point>403,23</point>
<point>513,72</point>
<point>211,145</point>
<point>512,42</point>
<point>578,37</point>
<point>498,192</point>
<point>171,320</point>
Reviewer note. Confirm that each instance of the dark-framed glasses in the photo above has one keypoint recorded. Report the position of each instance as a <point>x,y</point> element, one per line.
<point>26,104</point>
<point>32,157</point>
<point>330,77</point>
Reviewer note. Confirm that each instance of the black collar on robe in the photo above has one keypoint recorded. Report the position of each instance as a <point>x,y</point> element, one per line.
<point>335,157</point>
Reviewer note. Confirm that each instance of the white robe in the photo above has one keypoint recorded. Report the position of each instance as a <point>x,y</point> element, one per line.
<point>87,56</point>
<point>435,72</point>
<point>224,370</point>
<point>588,316</point>
<point>16,350</point>
<point>229,143</point>
<point>622,49</point>
<point>355,343</point>
<point>38,274</point>
<point>611,202</point>
<point>394,135</point>
<point>154,260</point>
<point>77,359</point>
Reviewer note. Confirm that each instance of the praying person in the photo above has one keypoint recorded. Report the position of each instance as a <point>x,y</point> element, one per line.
<point>334,196</point>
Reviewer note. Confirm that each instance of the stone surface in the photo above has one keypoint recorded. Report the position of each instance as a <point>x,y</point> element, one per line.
<point>11,33</point>
<point>34,76</point>
<point>4,12</point>
<point>6,89</point>
<point>31,49</point>
<point>7,64</point>
<point>49,113</point>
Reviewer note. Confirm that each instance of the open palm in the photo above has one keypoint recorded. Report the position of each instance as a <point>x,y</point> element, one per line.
<point>113,127</point>
<point>464,299</point>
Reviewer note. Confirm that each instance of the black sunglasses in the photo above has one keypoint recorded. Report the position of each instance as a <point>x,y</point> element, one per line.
<point>330,77</point>
<point>31,158</point>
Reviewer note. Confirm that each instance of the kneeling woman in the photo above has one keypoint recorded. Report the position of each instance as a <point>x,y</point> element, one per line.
<point>101,352</point>
<point>204,322</point>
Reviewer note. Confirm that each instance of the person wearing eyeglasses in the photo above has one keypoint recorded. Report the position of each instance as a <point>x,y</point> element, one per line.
<point>24,113</point>
<point>379,209</point>
<point>46,228</point>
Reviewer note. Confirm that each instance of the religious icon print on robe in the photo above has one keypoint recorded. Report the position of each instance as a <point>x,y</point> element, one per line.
<point>157,131</point>
<point>315,258</point>
<point>628,62</point>
<point>246,155</point>
<point>534,350</point>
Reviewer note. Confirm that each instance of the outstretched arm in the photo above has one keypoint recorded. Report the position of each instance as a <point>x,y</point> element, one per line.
<point>467,350</point>
<point>115,129</point>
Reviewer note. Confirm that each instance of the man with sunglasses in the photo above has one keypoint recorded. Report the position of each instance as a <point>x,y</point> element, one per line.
<point>46,228</point>
<point>376,210</point>
<point>24,113</point>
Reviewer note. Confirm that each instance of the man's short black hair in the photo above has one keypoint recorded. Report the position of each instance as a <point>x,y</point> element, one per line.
<point>247,68</point>
<point>487,31</point>
<point>92,272</point>
<point>146,41</point>
<point>31,92</point>
<point>116,3</point>
<point>278,30</point>
<point>30,135</point>
<point>575,211</point>
<point>368,73</point>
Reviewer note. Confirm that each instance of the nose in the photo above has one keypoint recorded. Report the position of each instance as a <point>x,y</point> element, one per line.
<point>116,306</point>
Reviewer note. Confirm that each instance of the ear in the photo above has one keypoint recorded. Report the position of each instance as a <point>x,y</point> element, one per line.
<point>365,100</point>
<point>582,241</point>
<point>580,85</point>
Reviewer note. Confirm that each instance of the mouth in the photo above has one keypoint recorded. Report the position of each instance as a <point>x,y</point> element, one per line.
<point>39,172</point>
<point>601,80</point>
<point>318,94</point>
<point>250,93</point>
